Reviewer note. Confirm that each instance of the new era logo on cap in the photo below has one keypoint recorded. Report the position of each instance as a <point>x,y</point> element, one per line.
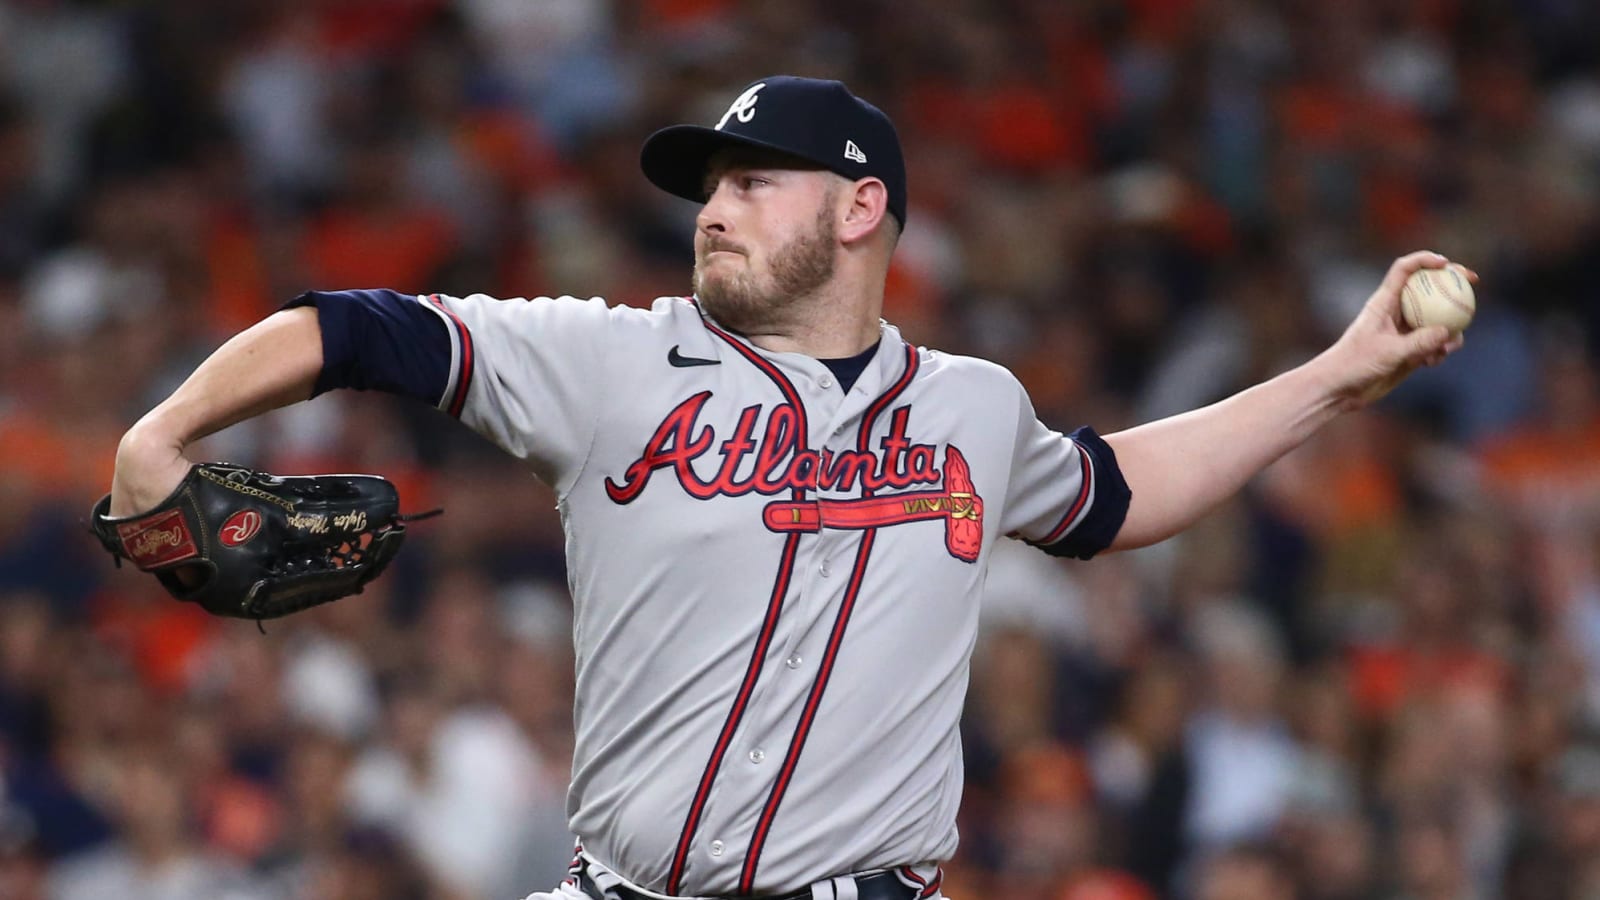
<point>806,118</point>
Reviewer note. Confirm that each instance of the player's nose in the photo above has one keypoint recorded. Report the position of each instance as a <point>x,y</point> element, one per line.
<point>713,213</point>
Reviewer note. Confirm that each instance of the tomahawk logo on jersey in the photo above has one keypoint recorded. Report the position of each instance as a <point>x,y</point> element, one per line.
<point>749,535</point>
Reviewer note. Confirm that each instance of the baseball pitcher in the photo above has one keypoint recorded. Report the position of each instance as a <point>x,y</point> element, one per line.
<point>778,512</point>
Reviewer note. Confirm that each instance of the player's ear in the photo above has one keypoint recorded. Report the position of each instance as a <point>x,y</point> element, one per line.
<point>867,204</point>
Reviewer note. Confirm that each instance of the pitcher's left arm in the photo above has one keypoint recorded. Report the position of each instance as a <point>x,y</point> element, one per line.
<point>1182,467</point>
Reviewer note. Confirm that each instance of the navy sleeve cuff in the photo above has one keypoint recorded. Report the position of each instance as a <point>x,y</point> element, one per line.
<point>1111,497</point>
<point>380,341</point>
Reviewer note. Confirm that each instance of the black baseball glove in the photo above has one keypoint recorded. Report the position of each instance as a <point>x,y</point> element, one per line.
<point>251,545</point>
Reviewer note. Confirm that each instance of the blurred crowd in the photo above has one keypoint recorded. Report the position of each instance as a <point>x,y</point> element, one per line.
<point>1374,675</point>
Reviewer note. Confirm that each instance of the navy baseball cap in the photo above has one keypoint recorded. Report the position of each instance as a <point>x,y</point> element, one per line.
<point>818,121</point>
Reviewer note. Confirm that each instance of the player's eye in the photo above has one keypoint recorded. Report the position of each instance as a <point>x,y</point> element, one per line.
<point>740,183</point>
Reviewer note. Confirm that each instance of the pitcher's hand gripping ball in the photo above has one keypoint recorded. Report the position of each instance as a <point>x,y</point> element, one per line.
<point>257,546</point>
<point>1438,297</point>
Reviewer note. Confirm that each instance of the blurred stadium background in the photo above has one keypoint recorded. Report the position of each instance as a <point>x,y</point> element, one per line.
<point>1376,675</point>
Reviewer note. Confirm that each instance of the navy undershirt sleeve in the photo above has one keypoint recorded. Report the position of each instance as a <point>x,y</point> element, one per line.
<point>1111,498</point>
<point>847,370</point>
<point>380,340</point>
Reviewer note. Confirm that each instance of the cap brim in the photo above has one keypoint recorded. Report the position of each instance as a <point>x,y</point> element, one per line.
<point>675,158</point>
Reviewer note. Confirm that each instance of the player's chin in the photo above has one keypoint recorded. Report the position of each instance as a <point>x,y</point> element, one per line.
<point>719,282</point>
<point>704,285</point>
<point>717,296</point>
<point>730,302</point>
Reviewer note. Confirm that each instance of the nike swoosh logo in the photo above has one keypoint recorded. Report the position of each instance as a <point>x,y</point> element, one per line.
<point>684,362</point>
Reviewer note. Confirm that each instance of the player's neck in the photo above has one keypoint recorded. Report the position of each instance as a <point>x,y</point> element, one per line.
<point>827,326</point>
<point>836,321</point>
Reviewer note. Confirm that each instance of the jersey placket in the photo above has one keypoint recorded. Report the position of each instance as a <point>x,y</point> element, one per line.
<point>836,639</point>
<point>764,749</point>
<point>829,593</point>
<point>744,783</point>
<point>722,805</point>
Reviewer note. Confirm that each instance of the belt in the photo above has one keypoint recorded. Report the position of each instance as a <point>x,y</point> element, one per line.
<point>877,886</point>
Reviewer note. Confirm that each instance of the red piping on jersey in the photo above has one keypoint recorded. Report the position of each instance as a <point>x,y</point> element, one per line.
<point>924,888</point>
<point>575,868</point>
<point>464,372</point>
<point>882,403</point>
<point>825,670</point>
<point>769,626</point>
<point>1083,496</point>
<point>692,822</point>
<point>790,395</point>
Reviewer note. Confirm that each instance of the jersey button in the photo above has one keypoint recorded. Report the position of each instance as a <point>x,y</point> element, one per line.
<point>757,755</point>
<point>716,848</point>
<point>824,569</point>
<point>794,661</point>
<point>826,381</point>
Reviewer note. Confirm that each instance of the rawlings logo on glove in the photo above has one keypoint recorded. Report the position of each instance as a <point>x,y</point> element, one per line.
<point>240,528</point>
<point>240,540</point>
<point>157,540</point>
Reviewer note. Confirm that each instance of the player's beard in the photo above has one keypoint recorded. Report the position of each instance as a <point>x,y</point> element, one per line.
<point>741,301</point>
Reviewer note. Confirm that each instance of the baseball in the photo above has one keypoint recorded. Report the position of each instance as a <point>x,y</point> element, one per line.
<point>1438,297</point>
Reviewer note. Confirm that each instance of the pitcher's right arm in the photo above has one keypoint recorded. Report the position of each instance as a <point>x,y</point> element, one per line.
<point>529,375</point>
<point>271,364</point>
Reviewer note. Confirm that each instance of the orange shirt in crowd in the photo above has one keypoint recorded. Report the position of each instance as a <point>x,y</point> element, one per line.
<point>1106,884</point>
<point>160,638</point>
<point>399,249</point>
<point>54,460</point>
<point>1383,677</point>
<point>240,293</point>
<point>1546,473</point>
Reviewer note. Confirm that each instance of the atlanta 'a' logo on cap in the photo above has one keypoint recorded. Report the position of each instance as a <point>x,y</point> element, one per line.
<point>744,107</point>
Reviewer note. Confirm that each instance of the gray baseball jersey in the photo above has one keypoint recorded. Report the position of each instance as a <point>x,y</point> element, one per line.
<point>776,581</point>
